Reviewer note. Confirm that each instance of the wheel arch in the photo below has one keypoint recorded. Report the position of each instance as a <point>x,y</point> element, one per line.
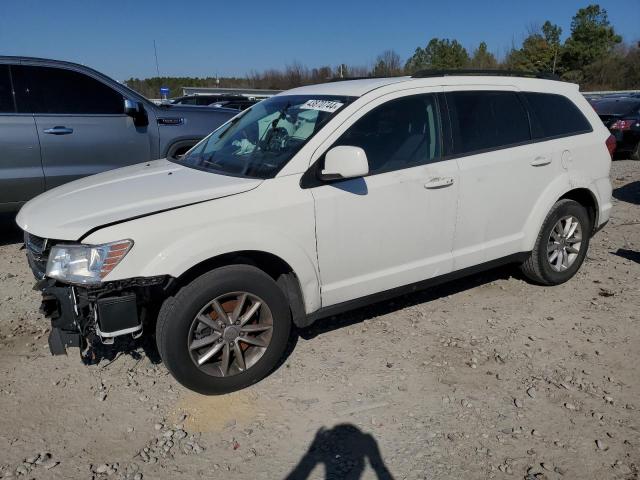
<point>176,145</point>
<point>587,199</point>
<point>274,266</point>
<point>561,188</point>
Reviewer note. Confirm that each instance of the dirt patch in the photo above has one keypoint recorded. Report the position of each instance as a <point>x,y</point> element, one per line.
<point>485,377</point>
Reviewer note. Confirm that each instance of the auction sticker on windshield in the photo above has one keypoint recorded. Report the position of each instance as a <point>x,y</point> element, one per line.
<point>322,105</point>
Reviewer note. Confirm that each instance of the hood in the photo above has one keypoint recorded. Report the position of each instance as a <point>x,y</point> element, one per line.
<point>71,210</point>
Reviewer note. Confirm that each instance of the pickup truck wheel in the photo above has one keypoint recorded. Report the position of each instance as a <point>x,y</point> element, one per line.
<point>635,153</point>
<point>225,330</point>
<point>561,245</point>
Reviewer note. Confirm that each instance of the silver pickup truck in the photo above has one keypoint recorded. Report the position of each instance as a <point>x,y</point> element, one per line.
<point>60,121</point>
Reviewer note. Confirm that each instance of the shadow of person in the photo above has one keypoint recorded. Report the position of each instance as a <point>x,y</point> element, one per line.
<point>343,450</point>
<point>632,255</point>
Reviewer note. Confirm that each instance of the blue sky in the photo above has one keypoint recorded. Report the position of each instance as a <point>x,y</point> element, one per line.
<point>201,38</point>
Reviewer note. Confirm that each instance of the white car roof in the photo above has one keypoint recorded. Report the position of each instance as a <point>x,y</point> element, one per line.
<point>357,88</point>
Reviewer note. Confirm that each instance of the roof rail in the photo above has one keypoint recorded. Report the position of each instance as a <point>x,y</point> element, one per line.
<point>497,73</point>
<point>345,79</point>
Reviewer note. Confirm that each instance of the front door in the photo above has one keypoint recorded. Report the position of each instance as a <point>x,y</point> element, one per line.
<point>81,123</point>
<point>21,176</point>
<point>395,226</point>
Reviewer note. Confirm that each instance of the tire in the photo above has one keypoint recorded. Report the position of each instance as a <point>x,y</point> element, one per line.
<point>177,326</point>
<point>635,153</point>
<point>178,149</point>
<point>538,267</point>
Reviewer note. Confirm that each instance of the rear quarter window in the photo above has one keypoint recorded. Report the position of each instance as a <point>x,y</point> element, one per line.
<point>555,115</point>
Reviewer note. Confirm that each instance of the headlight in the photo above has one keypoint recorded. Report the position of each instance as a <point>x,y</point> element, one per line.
<point>85,264</point>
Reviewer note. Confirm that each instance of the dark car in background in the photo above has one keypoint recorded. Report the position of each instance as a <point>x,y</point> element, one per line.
<point>240,104</point>
<point>200,100</point>
<point>60,121</point>
<point>621,115</point>
<point>234,102</point>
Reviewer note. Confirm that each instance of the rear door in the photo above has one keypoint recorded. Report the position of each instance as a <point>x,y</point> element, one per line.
<point>81,123</point>
<point>502,174</point>
<point>21,176</point>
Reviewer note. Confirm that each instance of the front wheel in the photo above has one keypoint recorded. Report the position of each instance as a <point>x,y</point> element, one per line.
<point>561,245</point>
<point>225,330</point>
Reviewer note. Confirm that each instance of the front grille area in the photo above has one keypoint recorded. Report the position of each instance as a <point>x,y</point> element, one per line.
<point>37,254</point>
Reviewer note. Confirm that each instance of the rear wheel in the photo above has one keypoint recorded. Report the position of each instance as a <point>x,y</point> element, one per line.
<point>225,330</point>
<point>561,245</point>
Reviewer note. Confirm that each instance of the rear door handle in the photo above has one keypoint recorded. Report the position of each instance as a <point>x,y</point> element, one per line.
<point>59,131</point>
<point>439,182</point>
<point>540,161</point>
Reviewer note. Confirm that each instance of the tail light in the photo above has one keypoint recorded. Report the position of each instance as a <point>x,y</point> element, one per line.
<point>622,124</point>
<point>611,144</point>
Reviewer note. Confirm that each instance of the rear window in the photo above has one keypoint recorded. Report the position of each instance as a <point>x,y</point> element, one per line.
<point>556,115</point>
<point>617,107</point>
<point>483,120</point>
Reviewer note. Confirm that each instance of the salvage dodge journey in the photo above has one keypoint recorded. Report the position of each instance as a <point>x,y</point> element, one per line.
<point>316,201</point>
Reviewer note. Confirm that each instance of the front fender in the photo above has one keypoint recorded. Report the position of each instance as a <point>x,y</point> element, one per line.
<point>171,242</point>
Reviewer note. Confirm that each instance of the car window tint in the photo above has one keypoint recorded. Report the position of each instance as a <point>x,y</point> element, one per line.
<point>556,115</point>
<point>401,133</point>
<point>6,94</point>
<point>483,120</point>
<point>58,90</point>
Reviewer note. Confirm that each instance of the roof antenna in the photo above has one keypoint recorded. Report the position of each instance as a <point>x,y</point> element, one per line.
<point>155,51</point>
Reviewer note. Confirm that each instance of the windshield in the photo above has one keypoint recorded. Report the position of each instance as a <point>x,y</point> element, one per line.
<point>261,140</point>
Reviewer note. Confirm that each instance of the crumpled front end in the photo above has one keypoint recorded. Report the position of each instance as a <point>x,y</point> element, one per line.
<point>83,316</point>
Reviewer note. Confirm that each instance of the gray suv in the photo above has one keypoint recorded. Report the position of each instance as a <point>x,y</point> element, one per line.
<point>60,121</point>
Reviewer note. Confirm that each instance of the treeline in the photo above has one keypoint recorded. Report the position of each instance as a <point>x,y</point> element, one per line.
<point>593,55</point>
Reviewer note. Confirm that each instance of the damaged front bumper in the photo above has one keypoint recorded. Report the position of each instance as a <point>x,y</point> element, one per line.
<point>81,316</point>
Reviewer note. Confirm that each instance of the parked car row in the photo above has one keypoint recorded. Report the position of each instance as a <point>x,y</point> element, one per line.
<point>60,121</point>
<point>315,201</point>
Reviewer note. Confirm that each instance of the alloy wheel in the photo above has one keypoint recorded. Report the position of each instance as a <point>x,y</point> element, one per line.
<point>563,245</point>
<point>230,334</point>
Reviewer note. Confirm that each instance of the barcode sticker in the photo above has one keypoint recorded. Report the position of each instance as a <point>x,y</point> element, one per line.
<point>322,105</point>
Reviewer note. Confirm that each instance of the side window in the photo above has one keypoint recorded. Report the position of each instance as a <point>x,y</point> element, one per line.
<point>556,115</point>
<point>399,134</point>
<point>58,90</point>
<point>6,92</point>
<point>483,120</point>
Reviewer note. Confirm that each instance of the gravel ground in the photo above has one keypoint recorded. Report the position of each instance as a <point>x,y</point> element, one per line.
<point>488,377</point>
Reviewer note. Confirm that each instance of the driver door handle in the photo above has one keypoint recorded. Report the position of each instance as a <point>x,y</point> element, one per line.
<point>59,130</point>
<point>540,161</point>
<point>438,182</point>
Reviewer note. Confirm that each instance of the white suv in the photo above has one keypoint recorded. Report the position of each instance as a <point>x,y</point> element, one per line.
<point>316,201</point>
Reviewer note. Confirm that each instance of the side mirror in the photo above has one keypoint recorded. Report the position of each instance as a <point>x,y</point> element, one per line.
<point>131,108</point>
<point>136,111</point>
<point>344,162</point>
